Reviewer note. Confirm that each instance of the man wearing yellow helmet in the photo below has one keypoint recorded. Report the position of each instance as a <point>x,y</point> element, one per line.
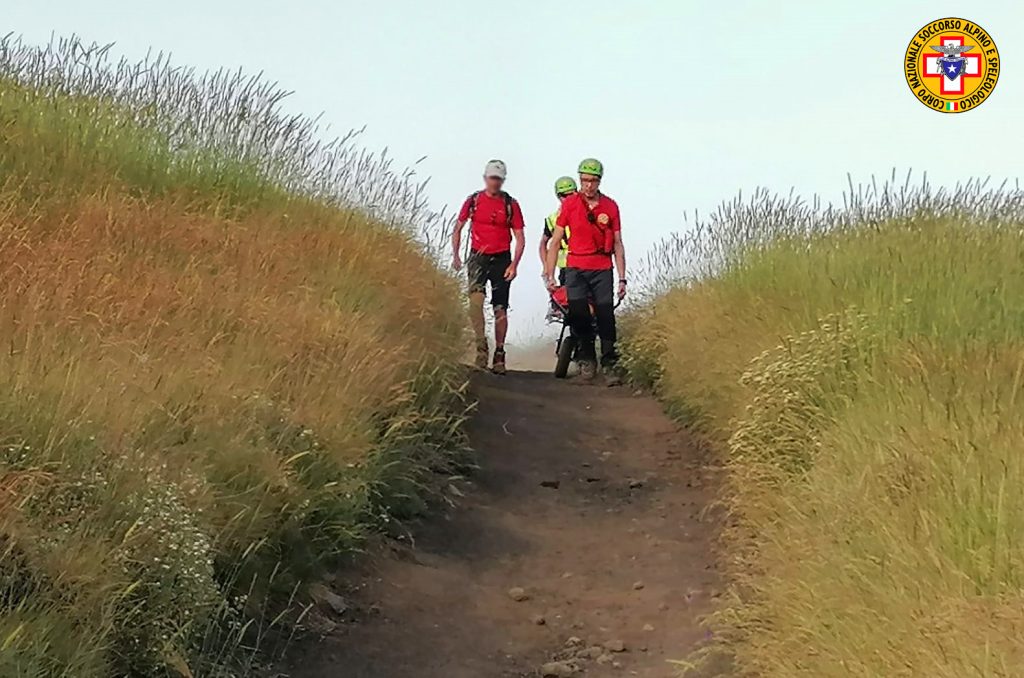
<point>594,249</point>
<point>564,187</point>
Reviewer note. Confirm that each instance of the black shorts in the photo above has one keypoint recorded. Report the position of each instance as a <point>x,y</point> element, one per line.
<point>489,268</point>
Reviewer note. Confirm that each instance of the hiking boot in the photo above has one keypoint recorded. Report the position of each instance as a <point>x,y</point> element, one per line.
<point>482,353</point>
<point>498,367</point>
<point>588,370</point>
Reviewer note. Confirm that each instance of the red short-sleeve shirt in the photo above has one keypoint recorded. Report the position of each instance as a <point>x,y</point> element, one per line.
<point>590,242</point>
<point>491,232</point>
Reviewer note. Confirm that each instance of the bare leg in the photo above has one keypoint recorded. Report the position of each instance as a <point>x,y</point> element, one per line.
<point>476,315</point>
<point>476,319</point>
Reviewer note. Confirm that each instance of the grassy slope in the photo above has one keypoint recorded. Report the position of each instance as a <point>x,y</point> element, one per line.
<point>862,374</point>
<point>213,386</point>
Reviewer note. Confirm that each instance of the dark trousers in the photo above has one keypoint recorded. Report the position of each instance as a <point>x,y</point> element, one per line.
<point>583,288</point>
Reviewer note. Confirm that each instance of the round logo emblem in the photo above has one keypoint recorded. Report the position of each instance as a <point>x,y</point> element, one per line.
<point>602,219</point>
<point>952,65</point>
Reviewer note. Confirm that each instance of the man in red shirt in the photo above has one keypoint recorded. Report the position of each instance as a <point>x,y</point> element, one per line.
<point>494,217</point>
<point>593,220</point>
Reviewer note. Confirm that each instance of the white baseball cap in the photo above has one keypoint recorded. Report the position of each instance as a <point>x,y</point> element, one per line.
<point>495,168</point>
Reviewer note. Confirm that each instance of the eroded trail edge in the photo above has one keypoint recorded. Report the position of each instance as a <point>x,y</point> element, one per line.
<point>584,540</point>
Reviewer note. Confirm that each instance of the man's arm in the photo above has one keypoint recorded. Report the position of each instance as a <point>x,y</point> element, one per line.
<point>457,244</point>
<point>519,233</point>
<point>520,237</point>
<point>542,251</point>
<point>460,222</point>
<point>620,263</point>
<point>513,268</point>
<point>552,256</point>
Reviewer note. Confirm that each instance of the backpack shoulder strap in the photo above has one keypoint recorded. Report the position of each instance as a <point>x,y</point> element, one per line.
<point>472,204</point>
<point>508,208</point>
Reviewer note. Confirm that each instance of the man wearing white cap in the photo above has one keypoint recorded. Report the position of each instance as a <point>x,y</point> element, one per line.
<point>494,217</point>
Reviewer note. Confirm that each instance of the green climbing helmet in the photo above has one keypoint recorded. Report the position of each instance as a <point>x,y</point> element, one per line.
<point>591,166</point>
<point>565,185</point>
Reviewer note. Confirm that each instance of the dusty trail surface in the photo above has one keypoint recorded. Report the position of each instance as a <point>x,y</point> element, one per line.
<point>591,502</point>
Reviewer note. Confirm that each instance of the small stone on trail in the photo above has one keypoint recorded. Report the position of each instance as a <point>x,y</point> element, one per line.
<point>590,652</point>
<point>616,665</point>
<point>663,607</point>
<point>325,596</point>
<point>638,586</point>
<point>648,627</point>
<point>636,484</point>
<point>539,620</point>
<point>615,646</point>
<point>551,484</point>
<point>558,670</point>
<point>605,659</point>
<point>574,642</point>
<point>518,594</point>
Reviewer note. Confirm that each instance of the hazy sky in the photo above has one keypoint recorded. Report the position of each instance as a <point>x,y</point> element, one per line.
<point>685,102</point>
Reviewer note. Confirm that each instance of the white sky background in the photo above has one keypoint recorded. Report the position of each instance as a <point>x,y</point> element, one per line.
<point>686,103</point>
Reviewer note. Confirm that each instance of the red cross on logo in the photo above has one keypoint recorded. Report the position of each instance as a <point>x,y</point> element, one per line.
<point>930,66</point>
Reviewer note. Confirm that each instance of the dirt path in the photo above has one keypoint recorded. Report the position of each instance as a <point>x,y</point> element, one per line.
<point>590,500</point>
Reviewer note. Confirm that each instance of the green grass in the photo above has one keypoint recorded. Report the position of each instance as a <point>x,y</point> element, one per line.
<point>213,390</point>
<point>860,372</point>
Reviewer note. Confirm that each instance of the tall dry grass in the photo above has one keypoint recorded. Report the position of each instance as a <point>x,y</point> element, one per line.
<point>860,369</point>
<point>226,357</point>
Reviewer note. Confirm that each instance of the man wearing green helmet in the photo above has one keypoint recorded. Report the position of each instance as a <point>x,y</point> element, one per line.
<point>564,187</point>
<point>595,245</point>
